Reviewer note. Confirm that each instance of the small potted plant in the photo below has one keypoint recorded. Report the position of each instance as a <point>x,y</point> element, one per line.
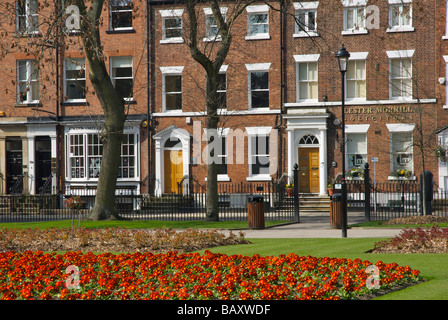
<point>290,188</point>
<point>330,189</point>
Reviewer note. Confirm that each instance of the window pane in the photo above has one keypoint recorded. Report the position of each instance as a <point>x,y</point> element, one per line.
<point>303,90</point>
<point>361,88</point>
<point>173,23</point>
<point>124,87</point>
<point>259,80</point>
<point>406,15</point>
<point>395,15</point>
<point>351,89</point>
<point>301,21</point>
<point>173,83</point>
<point>350,18</point>
<point>303,71</point>
<point>260,99</point>
<point>360,18</point>
<point>22,71</point>
<point>351,70</point>
<point>311,21</point>
<point>173,101</point>
<point>360,70</point>
<point>406,68</point>
<point>395,68</point>
<point>312,71</point>
<point>396,88</point>
<point>313,90</point>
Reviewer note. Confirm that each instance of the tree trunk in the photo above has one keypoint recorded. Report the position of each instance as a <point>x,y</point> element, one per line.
<point>113,108</point>
<point>212,210</point>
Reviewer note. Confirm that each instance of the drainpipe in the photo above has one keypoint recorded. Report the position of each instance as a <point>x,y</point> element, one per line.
<point>148,90</point>
<point>58,33</point>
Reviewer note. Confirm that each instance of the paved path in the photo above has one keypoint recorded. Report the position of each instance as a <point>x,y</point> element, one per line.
<point>317,225</point>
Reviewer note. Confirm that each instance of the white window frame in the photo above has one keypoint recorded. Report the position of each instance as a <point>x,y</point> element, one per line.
<point>256,67</point>
<point>111,26</point>
<point>29,27</point>
<point>306,58</point>
<point>400,27</point>
<point>209,14</point>
<point>253,132</point>
<point>83,65</point>
<point>354,5</point>
<point>399,54</point>
<point>223,70</point>
<point>445,58</point>
<point>30,69</point>
<point>356,129</point>
<point>305,7</point>
<point>83,134</point>
<point>400,128</point>
<point>113,78</point>
<point>171,14</point>
<point>256,10</point>
<point>222,134</point>
<point>357,57</point>
<point>170,71</point>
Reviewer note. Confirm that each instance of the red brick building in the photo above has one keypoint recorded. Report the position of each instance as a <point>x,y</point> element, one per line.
<point>280,89</point>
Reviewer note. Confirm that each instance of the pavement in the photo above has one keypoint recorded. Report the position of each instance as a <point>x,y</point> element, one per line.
<point>317,225</point>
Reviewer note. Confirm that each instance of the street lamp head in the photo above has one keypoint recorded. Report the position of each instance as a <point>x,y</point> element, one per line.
<point>342,57</point>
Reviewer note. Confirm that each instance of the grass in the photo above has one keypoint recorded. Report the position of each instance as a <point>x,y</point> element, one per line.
<point>378,224</point>
<point>432,266</point>
<point>149,224</point>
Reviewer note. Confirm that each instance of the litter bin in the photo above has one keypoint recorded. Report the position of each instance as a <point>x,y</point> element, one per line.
<point>255,211</point>
<point>336,211</point>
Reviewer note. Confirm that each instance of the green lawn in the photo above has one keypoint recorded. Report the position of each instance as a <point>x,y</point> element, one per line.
<point>378,224</point>
<point>150,224</point>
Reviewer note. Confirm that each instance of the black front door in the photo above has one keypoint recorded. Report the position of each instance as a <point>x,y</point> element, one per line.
<point>43,165</point>
<point>14,165</point>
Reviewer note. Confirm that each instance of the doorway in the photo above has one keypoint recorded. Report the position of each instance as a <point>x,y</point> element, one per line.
<point>43,164</point>
<point>173,170</point>
<point>309,170</point>
<point>14,166</point>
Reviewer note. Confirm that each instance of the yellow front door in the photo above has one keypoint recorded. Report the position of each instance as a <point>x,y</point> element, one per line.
<point>309,170</point>
<point>173,170</point>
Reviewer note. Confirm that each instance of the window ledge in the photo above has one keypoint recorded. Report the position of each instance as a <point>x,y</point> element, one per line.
<point>305,34</point>
<point>26,34</point>
<point>172,40</point>
<point>212,39</point>
<point>392,178</point>
<point>263,36</point>
<point>354,32</point>
<point>25,105</point>
<point>74,103</point>
<point>221,177</point>
<point>259,178</point>
<point>118,31</point>
<point>445,37</point>
<point>400,29</point>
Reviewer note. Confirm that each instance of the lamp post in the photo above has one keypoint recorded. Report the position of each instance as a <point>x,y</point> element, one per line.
<point>342,57</point>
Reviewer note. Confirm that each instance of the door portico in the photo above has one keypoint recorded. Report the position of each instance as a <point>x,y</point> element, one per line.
<point>307,139</point>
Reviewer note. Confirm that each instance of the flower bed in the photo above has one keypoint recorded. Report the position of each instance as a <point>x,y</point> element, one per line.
<point>172,275</point>
<point>115,239</point>
<point>416,240</point>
